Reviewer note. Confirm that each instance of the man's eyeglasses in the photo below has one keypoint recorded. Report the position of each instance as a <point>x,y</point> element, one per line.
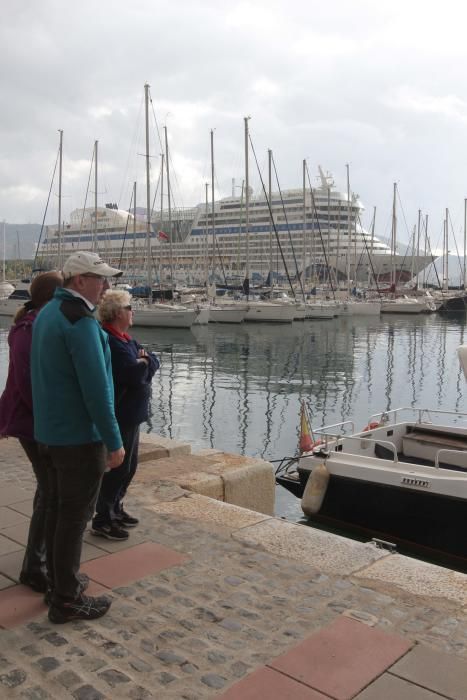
<point>101,278</point>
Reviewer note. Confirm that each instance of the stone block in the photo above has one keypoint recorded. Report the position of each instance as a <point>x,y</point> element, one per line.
<point>329,553</point>
<point>252,486</point>
<point>155,446</point>
<point>210,512</point>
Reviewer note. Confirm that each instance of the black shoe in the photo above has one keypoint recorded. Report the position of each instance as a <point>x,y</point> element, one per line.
<point>82,608</point>
<point>123,518</point>
<point>83,585</point>
<point>37,582</point>
<point>111,532</point>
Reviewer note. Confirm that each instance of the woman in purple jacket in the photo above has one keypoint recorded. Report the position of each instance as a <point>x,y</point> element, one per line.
<point>16,420</point>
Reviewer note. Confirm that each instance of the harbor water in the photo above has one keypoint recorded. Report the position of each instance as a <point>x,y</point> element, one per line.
<point>238,388</point>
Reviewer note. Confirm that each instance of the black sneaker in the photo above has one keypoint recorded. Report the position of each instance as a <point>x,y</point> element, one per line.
<point>127,520</point>
<point>82,608</point>
<point>111,532</point>
<point>37,582</point>
<point>83,585</point>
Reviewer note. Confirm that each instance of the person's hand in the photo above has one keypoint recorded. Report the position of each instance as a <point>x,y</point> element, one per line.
<point>143,355</point>
<point>115,458</point>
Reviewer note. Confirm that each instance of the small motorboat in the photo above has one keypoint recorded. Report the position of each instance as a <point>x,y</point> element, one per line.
<point>402,481</point>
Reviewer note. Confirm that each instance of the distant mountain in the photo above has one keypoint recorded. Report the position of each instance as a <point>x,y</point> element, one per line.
<point>20,240</point>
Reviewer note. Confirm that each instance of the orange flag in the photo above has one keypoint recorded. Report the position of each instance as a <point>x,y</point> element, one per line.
<point>306,443</point>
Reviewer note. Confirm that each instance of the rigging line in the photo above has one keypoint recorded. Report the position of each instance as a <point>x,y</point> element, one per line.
<point>132,151</point>
<point>369,258</point>
<point>45,212</point>
<point>124,235</point>
<point>85,201</point>
<point>288,231</point>
<point>272,219</point>
<point>427,238</point>
<point>403,213</point>
<point>221,262</point>
<point>155,120</point>
<point>320,232</point>
<point>455,243</point>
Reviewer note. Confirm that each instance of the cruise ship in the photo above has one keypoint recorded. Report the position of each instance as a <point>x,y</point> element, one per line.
<point>317,236</point>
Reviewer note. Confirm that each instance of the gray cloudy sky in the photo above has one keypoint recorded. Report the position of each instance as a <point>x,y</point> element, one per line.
<point>379,85</point>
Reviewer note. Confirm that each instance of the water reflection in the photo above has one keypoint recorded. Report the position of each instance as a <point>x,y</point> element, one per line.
<point>239,388</point>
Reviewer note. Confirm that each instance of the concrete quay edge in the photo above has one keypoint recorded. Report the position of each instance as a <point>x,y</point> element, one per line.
<point>210,496</point>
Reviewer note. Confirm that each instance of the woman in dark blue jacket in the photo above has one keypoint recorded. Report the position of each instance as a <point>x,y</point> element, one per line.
<point>133,369</point>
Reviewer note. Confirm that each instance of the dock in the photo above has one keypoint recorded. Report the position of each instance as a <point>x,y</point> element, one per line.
<point>215,597</point>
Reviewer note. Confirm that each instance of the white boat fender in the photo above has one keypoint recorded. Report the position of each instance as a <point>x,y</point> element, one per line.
<point>315,489</point>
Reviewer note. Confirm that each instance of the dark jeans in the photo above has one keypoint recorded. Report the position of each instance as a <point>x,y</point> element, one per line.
<point>34,563</point>
<point>74,477</point>
<point>116,481</point>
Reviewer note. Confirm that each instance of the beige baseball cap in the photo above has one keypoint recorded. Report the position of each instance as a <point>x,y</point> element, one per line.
<point>82,263</point>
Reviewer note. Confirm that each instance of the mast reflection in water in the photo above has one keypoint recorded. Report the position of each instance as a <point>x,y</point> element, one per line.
<point>238,388</point>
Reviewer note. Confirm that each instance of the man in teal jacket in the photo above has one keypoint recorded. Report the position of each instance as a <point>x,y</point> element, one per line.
<point>75,425</point>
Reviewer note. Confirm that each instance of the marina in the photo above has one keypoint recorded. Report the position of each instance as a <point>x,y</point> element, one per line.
<point>254,376</point>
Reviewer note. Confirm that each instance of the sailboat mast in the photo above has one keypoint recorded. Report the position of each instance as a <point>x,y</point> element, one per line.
<point>206,214</point>
<point>446,252</point>
<point>247,212</point>
<point>213,227</point>
<point>419,225</point>
<point>94,247</point>
<point>271,275</point>
<point>162,219</point>
<point>304,225</point>
<point>169,210</point>
<point>60,131</point>
<point>148,194</point>
<point>134,226</point>
<point>393,237</point>
<point>349,235</point>
<point>4,249</point>
<point>465,243</point>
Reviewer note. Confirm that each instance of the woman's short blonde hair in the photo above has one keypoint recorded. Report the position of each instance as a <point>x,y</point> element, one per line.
<point>111,303</point>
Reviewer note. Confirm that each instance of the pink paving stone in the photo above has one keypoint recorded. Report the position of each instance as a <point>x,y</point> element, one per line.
<point>19,604</point>
<point>132,564</point>
<point>342,658</point>
<point>267,683</point>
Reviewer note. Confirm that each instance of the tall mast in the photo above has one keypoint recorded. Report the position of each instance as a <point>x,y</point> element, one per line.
<point>4,249</point>
<point>304,225</point>
<point>419,226</point>
<point>213,226</point>
<point>206,257</point>
<point>393,237</point>
<point>148,194</point>
<point>169,210</point>
<point>446,252</point>
<point>162,219</point>
<point>271,275</point>
<point>60,261</point>
<point>465,243</point>
<point>94,247</point>
<point>349,235</point>
<point>371,245</point>
<point>247,213</point>
<point>134,227</point>
<point>426,249</point>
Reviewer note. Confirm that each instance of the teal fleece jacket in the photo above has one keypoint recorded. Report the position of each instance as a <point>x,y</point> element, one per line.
<point>71,373</point>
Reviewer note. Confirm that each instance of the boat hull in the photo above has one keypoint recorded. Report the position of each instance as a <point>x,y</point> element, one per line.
<point>420,521</point>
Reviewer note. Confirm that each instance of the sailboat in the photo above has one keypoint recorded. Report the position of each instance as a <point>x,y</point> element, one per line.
<point>404,304</point>
<point>259,310</point>
<point>148,313</point>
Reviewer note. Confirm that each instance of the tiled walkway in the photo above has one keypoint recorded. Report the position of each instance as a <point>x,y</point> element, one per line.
<point>180,619</point>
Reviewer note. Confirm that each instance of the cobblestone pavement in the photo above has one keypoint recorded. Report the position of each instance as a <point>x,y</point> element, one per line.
<point>192,630</point>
